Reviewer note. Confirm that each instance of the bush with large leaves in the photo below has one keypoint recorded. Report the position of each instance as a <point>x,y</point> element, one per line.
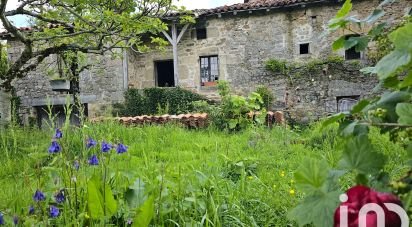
<point>391,112</point>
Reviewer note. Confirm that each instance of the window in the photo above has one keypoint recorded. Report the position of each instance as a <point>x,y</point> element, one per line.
<point>304,48</point>
<point>314,19</point>
<point>209,70</point>
<point>201,33</point>
<point>345,103</point>
<point>351,53</point>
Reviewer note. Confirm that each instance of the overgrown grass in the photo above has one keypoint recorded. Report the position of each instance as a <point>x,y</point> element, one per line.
<point>198,177</point>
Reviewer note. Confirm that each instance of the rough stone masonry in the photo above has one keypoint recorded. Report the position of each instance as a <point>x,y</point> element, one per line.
<point>242,38</point>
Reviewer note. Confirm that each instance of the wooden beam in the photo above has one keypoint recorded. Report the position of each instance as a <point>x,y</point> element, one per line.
<point>175,55</point>
<point>182,33</point>
<point>174,40</point>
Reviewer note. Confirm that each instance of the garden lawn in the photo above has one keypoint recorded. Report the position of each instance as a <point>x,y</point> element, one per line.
<point>197,177</point>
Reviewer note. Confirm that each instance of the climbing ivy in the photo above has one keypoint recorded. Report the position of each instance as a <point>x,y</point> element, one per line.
<point>286,67</point>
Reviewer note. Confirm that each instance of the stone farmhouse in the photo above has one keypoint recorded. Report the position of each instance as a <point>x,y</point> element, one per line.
<point>230,43</point>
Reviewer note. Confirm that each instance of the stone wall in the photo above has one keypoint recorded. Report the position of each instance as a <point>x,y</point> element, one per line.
<point>245,40</point>
<point>5,110</point>
<point>100,86</point>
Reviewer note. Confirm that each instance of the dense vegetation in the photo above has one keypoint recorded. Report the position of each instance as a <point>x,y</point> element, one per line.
<point>151,101</point>
<point>195,178</point>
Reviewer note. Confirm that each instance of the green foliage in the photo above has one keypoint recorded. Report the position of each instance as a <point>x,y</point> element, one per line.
<point>391,112</point>
<point>100,200</point>
<point>317,210</point>
<point>267,96</point>
<point>4,63</point>
<point>277,66</point>
<point>234,108</point>
<point>193,176</point>
<point>145,213</point>
<point>156,101</point>
<point>94,26</point>
<point>404,111</point>
<point>312,175</point>
<point>360,155</point>
<point>380,35</point>
<point>310,67</point>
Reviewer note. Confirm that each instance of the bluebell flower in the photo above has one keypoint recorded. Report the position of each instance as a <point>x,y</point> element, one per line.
<point>1,219</point>
<point>90,143</point>
<point>59,197</point>
<point>54,212</point>
<point>94,161</point>
<point>39,196</point>
<point>16,220</point>
<point>54,147</point>
<point>121,148</point>
<point>106,147</point>
<point>76,165</point>
<point>58,134</point>
<point>31,210</point>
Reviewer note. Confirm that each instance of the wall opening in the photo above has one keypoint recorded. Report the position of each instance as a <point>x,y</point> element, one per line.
<point>164,71</point>
<point>304,48</point>
<point>201,33</point>
<point>346,103</point>
<point>351,53</point>
<point>59,116</point>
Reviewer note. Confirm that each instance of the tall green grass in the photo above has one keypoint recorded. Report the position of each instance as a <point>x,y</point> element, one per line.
<point>198,177</point>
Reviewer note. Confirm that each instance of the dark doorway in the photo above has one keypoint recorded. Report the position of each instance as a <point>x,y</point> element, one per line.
<point>165,73</point>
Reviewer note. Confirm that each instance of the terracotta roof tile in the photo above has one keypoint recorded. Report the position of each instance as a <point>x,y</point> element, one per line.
<point>253,5</point>
<point>196,120</point>
<point>257,4</point>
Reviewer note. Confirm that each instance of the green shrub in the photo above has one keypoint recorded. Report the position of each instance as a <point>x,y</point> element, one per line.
<point>156,101</point>
<point>231,112</point>
<point>277,66</point>
<point>267,96</point>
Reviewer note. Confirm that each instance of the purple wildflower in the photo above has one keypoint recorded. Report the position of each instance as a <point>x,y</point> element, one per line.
<point>15,220</point>
<point>38,196</point>
<point>31,210</point>
<point>121,148</point>
<point>129,221</point>
<point>94,161</point>
<point>54,147</point>
<point>90,143</point>
<point>76,165</point>
<point>59,197</point>
<point>54,212</point>
<point>58,134</point>
<point>106,147</point>
<point>1,219</point>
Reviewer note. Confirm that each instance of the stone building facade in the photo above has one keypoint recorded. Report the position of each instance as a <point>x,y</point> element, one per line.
<point>229,43</point>
<point>100,87</point>
<point>242,37</point>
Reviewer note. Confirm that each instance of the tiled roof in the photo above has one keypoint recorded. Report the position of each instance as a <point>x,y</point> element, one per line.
<point>4,32</point>
<point>254,5</point>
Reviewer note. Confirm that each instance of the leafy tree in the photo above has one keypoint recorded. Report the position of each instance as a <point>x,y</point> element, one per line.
<point>75,27</point>
<point>391,112</point>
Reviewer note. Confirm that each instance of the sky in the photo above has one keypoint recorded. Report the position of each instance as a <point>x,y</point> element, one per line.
<point>21,21</point>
